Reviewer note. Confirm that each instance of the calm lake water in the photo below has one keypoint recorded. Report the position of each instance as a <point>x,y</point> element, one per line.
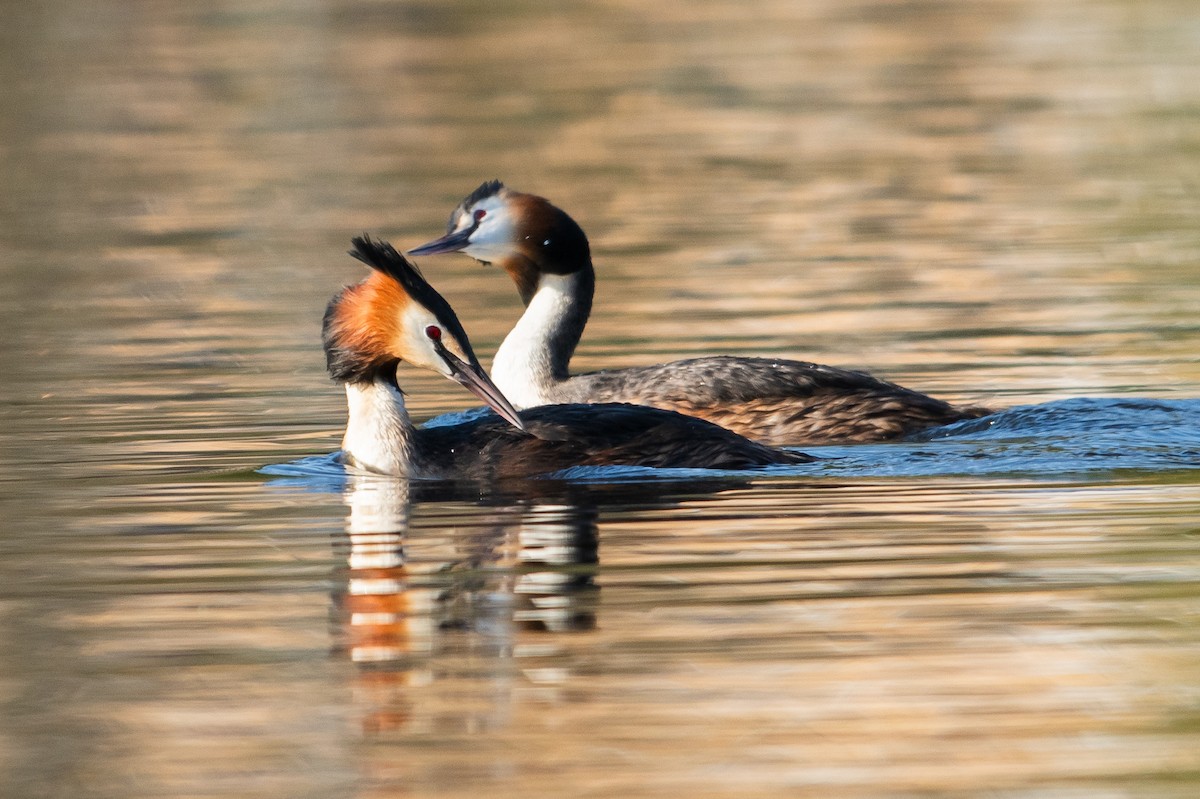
<point>993,201</point>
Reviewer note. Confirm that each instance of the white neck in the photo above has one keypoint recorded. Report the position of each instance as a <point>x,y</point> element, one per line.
<point>378,431</point>
<point>523,368</point>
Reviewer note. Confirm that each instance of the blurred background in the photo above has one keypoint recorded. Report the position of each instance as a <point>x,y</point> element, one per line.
<point>992,201</point>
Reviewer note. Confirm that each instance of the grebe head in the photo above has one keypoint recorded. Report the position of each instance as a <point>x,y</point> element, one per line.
<point>395,315</point>
<point>522,233</point>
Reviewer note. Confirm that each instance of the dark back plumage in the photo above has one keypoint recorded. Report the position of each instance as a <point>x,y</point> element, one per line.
<point>609,434</point>
<point>776,402</point>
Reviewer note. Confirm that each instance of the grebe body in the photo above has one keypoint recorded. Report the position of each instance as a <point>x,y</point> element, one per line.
<point>774,401</point>
<point>558,437</point>
<point>394,316</point>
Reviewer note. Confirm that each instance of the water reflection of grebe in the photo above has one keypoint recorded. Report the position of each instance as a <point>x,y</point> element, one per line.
<point>774,401</point>
<point>394,315</point>
<point>530,569</point>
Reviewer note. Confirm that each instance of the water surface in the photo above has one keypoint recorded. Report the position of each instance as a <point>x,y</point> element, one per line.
<point>990,201</point>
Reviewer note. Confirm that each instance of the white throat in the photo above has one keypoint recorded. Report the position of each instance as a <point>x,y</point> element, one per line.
<point>378,432</point>
<point>522,368</point>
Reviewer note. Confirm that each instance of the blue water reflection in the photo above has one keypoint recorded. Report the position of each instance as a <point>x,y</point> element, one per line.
<point>1076,438</point>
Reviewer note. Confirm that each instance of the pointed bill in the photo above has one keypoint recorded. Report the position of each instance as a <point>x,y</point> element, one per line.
<point>451,242</point>
<point>475,380</point>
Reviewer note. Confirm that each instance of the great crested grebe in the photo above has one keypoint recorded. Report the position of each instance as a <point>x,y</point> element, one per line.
<point>394,315</point>
<point>767,399</point>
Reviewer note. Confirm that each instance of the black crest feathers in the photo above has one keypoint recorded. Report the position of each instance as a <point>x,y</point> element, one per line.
<point>487,189</point>
<point>383,257</point>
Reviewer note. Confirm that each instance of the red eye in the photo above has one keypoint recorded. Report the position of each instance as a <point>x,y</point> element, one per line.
<point>434,332</point>
<point>480,214</point>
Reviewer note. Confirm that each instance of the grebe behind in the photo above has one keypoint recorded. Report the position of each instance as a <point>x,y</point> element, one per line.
<point>394,315</point>
<point>774,401</point>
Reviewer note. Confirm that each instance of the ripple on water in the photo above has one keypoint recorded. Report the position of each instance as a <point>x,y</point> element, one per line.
<point>1068,437</point>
